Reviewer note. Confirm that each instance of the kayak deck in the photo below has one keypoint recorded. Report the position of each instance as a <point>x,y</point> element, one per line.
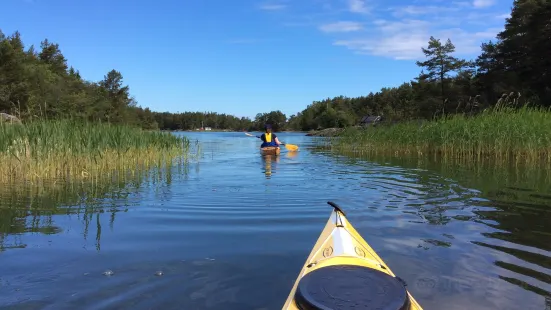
<point>344,272</point>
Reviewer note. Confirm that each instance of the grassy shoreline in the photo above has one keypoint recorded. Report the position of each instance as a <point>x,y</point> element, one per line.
<point>74,149</point>
<point>501,133</point>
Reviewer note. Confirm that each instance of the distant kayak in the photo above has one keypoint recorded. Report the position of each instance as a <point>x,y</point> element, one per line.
<point>270,150</point>
<point>344,272</point>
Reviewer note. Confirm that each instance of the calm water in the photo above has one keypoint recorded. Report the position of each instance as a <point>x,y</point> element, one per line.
<point>233,230</point>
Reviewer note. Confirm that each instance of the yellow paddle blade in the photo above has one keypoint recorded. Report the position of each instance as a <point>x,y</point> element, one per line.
<point>291,147</point>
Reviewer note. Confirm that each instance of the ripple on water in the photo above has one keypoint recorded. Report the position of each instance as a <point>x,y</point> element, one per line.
<point>234,231</point>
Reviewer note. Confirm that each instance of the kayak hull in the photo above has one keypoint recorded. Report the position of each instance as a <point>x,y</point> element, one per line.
<point>340,245</point>
<point>270,150</point>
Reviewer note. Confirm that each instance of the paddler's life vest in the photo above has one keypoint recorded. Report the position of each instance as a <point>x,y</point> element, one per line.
<point>268,140</point>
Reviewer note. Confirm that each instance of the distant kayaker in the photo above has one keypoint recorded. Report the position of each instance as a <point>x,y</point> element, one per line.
<point>268,138</point>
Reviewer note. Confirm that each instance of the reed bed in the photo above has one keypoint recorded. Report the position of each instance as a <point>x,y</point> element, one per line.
<point>69,149</point>
<point>502,133</point>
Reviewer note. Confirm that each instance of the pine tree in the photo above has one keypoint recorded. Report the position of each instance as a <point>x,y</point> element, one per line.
<point>526,45</point>
<point>51,54</point>
<point>118,96</point>
<point>440,63</point>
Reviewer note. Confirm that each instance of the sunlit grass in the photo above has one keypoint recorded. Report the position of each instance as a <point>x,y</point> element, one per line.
<point>70,149</point>
<point>502,134</point>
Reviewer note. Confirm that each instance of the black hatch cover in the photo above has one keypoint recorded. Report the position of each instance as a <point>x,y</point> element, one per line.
<point>350,287</point>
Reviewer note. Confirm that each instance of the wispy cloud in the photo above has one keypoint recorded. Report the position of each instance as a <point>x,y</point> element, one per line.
<point>358,6</point>
<point>272,7</point>
<point>399,40</point>
<point>399,32</point>
<point>483,3</point>
<point>482,18</point>
<point>342,26</point>
<point>402,40</point>
<point>422,10</point>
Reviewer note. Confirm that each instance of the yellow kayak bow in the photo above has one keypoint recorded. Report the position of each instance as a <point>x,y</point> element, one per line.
<point>344,272</point>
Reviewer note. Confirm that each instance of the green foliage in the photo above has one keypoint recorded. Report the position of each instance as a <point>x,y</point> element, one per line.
<point>277,119</point>
<point>502,132</point>
<point>523,47</point>
<point>196,120</point>
<point>78,137</point>
<point>40,85</point>
<point>440,64</point>
<point>76,148</point>
<point>517,62</point>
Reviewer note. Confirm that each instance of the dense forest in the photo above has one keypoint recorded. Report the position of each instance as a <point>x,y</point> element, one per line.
<point>516,65</point>
<point>40,84</point>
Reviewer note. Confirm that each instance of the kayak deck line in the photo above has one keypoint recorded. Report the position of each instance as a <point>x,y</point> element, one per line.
<point>344,245</point>
<point>343,272</point>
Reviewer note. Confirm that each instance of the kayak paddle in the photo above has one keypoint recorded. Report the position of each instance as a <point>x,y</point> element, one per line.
<point>289,147</point>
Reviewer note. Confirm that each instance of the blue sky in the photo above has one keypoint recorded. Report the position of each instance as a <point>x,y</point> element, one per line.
<point>249,56</point>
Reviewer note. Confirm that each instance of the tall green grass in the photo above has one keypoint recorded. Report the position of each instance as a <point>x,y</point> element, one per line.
<point>502,133</point>
<point>76,149</point>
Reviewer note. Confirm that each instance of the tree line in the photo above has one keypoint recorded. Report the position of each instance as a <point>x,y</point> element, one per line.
<point>40,84</point>
<point>517,64</point>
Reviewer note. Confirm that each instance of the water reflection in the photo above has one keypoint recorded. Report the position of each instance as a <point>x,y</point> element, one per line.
<point>269,163</point>
<point>291,154</point>
<point>462,236</point>
<point>512,201</point>
<point>28,209</point>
